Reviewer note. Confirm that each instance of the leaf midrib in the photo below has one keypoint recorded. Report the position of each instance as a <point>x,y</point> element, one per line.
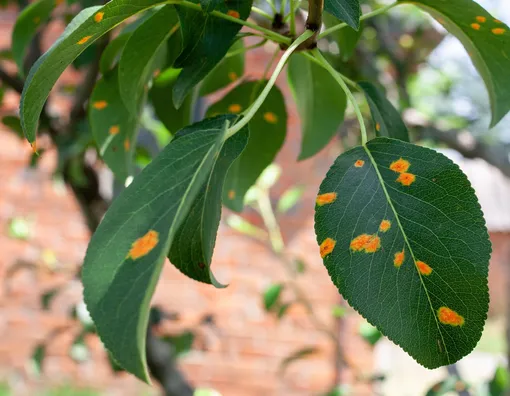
<point>390,202</point>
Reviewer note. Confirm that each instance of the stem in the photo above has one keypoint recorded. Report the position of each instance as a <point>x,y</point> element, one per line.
<point>248,115</point>
<point>363,17</point>
<point>271,4</point>
<point>292,18</point>
<point>266,211</point>
<point>347,91</point>
<point>347,80</point>
<point>246,49</point>
<point>283,4</point>
<point>270,63</point>
<point>262,13</point>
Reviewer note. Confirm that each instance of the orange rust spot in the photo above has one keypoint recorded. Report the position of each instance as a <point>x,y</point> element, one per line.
<point>385,225</point>
<point>100,104</point>
<point>156,73</point>
<point>127,144</point>
<point>34,146</point>
<point>476,26</point>
<point>327,198</point>
<point>400,165</point>
<point>498,31</point>
<point>233,13</point>
<point>235,108</point>
<point>359,163</point>
<point>114,129</point>
<point>377,127</point>
<point>449,316</point>
<point>367,243</point>
<point>143,245</point>
<point>399,259</point>
<point>99,17</point>
<point>497,21</point>
<point>406,179</point>
<point>373,244</point>
<point>58,2</point>
<point>232,76</point>
<point>481,19</point>
<point>37,20</point>
<point>327,247</point>
<point>424,268</point>
<point>84,40</point>
<point>270,117</point>
<point>231,194</point>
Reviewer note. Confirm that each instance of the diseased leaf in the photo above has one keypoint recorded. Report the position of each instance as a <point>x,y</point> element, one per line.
<point>403,238</point>
<point>348,11</point>
<point>321,104</point>
<point>136,64</point>
<point>193,245</point>
<point>386,119</point>
<point>114,128</point>
<point>210,5</point>
<point>26,26</point>
<point>272,295</point>
<point>346,38</point>
<point>206,39</point>
<point>126,253</point>
<point>89,25</point>
<point>487,41</point>
<point>298,355</point>
<point>267,133</point>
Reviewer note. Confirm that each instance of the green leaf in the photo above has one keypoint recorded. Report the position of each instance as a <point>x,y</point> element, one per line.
<point>25,28</point>
<point>194,243</point>
<point>210,5</point>
<point>182,342</point>
<point>346,38</point>
<point>272,295</point>
<point>112,52</point>
<point>348,11</point>
<point>386,119</point>
<point>369,333</point>
<point>126,253</point>
<point>500,383</point>
<point>290,198</point>
<point>14,124</point>
<point>267,133</point>
<point>89,25</point>
<point>229,70</point>
<point>136,64</point>
<point>38,356</point>
<point>445,387</point>
<point>47,297</point>
<point>282,310</point>
<point>114,128</point>
<point>321,104</point>
<point>403,238</point>
<point>487,41</point>
<point>298,355</point>
<point>206,39</point>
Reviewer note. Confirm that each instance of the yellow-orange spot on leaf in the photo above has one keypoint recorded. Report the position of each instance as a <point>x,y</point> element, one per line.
<point>235,108</point>
<point>400,165</point>
<point>373,244</point>
<point>406,179</point>
<point>84,40</point>
<point>359,163</point>
<point>377,127</point>
<point>34,146</point>
<point>231,194</point>
<point>476,26</point>
<point>156,73</point>
<point>498,31</point>
<point>424,268</point>
<point>270,117</point>
<point>143,245</point>
<point>367,243</point>
<point>385,225</point>
<point>127,144</point>
<point>481,19</point>
<point>327,198</point>
<point>232,76</point>
<point>497,21</point>
<point>100,104</point>
<point>37,20</point>
<point>114,129</point>
<point>449,316</point>
<point>233,13</point>
<point>399,259</point>
<point>99,17</point>
<point>58,2</point>
<point>327,247</point>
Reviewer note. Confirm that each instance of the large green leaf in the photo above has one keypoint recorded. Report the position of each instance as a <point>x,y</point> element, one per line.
<point>404,240</point>
<point>89,25</point>
<point>193,245</point>
<point>386,119</point>
<point>487,41</point>
<point>126,253</point>
<point>348,11</point>
<point>113,126</point>
<point>321,103</point>
<point>206,39</point>
<point>137,61</point>
<point>26,26</point>
<point>267,132</point>
<point>346,38</point>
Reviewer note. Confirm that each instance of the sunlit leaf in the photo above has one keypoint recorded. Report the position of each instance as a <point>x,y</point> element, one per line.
<point>499,385</point>
<point>271,295</point>
<point>369,333</point>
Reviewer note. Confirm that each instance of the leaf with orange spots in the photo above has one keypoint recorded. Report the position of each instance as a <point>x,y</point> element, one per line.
<point>487,41</point>
<point>27,24</point>
<point>321,103</point>
<point>386,119</point>
<point>266,139</point>
<point>412,258</point>
<point>126,253</point>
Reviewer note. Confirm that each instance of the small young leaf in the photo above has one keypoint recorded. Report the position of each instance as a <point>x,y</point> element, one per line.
<point>290,198</point>
<point>47,297</point>
<point>272,295</point>
<point>386,119</point>
<point>298,355</point>
<point>206,40</point>
<point>346,38</point>
<point>282,310</point>
<point>403,238</point>
<point>38,356</point>
<point>487,41</point>
<point>369,333</point>
<point>125,255</point>
<point>25,28</point>
<point>267,133</point>
<point>348,11</point>
<point>321,103</point>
